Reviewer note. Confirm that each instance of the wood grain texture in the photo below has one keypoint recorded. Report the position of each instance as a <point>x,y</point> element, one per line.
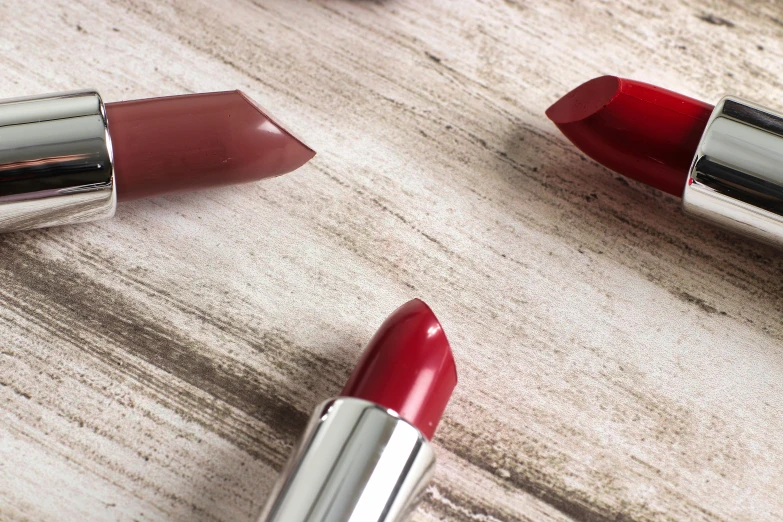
<point>618,360</point>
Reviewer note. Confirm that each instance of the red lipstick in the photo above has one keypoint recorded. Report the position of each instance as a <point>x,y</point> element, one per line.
<point>366,454</point>
<point>407,367</point>
<point>639,130</point>
<point>724,160</point>
<point>68,158</point>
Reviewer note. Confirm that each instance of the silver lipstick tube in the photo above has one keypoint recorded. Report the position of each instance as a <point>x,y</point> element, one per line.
<point>55,161</point>
<point>736,179</point>
<point>356,462</point>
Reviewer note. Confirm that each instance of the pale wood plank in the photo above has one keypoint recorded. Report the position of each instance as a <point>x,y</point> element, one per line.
<point>618,360</point>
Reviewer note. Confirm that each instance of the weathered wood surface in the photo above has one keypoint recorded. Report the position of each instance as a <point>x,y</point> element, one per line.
<point>618,360</point>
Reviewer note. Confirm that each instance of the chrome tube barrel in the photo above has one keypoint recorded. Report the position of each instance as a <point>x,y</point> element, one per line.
<point>55,161</point>
<point>736,180</point>
<point>357,462</point>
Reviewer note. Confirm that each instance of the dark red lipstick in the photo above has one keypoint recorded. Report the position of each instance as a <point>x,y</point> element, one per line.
<point>366,455</point>
<point>68,158</point>
<point>724,161</point>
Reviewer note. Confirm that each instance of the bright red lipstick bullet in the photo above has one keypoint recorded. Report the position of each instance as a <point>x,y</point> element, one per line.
<point>725,161</point>
<point>639,130</point>
<point>366,455</point>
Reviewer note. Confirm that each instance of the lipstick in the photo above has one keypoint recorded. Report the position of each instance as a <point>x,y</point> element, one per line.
<point>68,158</point>
<point>366,455</point>
<point>724,161</point>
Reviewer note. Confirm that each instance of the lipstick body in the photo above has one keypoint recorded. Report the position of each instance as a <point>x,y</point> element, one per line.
<point>356,462</point>
<point>55,161</point>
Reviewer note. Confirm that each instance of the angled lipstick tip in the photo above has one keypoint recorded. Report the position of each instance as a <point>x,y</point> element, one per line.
<point>408,367</point>
<point>585,100</point>
<point>306,153</point>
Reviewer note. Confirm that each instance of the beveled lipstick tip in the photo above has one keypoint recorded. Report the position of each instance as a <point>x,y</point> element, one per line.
<point>585,100</point>
<point>277,123</point>
<point>436,335</point>
<point>437,329</point>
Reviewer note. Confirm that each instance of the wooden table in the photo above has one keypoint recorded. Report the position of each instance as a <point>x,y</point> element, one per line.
<point>618,360</point>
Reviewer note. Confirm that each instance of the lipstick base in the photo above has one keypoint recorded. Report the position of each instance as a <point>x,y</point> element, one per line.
<point>736,180</point>
<point>55,161</point>
<point>357,461</point>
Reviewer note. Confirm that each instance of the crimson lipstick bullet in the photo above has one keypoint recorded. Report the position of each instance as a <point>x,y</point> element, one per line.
<point>365,455</point>
<point>724,161</point>
<point>68,158</point>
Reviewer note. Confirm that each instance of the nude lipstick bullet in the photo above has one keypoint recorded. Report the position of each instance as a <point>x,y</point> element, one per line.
<point>365,455</point>
<point>68,158</point>
<point>726,161</point>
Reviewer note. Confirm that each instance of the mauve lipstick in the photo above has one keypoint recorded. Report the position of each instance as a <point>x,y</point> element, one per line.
<point>68,158</point>
<point>365,455</point>
<point>183,143</point>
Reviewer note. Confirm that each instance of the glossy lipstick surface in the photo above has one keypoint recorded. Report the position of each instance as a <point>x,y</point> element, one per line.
<point>642,131</point>
<point>408,367</point>
<point>197,141</point>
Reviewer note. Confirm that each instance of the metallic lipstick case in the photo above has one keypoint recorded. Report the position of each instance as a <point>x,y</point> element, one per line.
<point>736,179</point>
<point>55,161</point>
<point>356,462</point>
